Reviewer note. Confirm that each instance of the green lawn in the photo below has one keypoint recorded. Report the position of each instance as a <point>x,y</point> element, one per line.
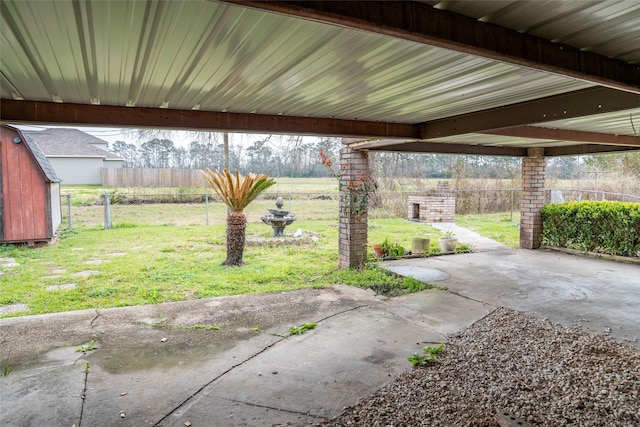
<point>145,264</point>
<point>497,226</point>
<point>95,268</point>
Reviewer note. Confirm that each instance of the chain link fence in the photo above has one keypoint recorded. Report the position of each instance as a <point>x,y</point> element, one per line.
<point>113,210</point>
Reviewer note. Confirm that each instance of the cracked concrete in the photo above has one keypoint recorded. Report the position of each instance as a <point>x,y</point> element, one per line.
<point>152,367</point>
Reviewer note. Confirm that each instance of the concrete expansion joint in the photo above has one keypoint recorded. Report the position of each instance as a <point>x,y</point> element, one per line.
<point>346,311</point>
<point>216,378</point>
<point>83,396</point>
<point>473,299</point>
<point>243,362</point>
<point>287,411</point>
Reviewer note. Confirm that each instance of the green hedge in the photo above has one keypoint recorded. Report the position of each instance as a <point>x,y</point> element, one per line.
<point>607,227</point>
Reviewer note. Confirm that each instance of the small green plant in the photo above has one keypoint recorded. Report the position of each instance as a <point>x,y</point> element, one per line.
<point>391,249</point>
<point>429,356</point>
<point>86,368</point>
<point>449,234</point>
<point>397,250</point>
<point>386,245</point>
<point>84,348</point>
<point>6,370</point>
<point>194,327</point>
<point>299,330</point>
<point>464,247</point>
<point>207,327</point>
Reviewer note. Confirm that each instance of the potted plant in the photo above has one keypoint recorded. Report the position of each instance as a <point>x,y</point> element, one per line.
<point>382,249</point>
<point>388,248</point>
<point>378,250</point>
<point>448,242</point>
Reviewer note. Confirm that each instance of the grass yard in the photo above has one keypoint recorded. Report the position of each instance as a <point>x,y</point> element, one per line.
<point>95,268</point>
<point>497,226</point>
<point>146,259</point>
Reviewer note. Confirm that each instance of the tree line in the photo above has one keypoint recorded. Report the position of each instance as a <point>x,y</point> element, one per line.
<point>293,156</point>
<point>296,156</point>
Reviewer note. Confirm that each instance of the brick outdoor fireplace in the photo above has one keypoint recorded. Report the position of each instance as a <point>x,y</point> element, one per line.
<point>438,205</point>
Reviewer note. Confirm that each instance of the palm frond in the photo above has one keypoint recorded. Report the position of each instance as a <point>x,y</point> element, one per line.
<point>237,191</point>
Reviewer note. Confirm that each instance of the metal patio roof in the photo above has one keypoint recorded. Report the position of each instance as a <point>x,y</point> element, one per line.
<point>481,77</point>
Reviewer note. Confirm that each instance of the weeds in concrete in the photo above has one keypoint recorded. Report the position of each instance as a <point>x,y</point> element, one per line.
<point>199,326</point>
<point>193,327</point>
<point>6,370</point>
<point>85,348</point>
<point>299,330</point>
<point>293,330</point>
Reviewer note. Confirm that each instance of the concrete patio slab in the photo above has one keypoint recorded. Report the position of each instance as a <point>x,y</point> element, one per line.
<point>229,361</point>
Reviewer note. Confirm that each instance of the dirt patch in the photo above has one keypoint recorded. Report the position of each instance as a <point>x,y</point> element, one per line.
<point>61,287</point>
<point>13,308</point>
<point>8,263</point>
<point>85,273</point>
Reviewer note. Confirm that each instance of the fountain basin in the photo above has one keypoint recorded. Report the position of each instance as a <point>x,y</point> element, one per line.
<point>278,218</point>
<point>278,223</point>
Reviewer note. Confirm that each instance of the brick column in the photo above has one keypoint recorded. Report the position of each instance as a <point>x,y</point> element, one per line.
<point>532,200</point>
<point>352,236</point>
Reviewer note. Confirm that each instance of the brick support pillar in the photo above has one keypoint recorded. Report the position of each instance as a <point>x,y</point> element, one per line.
<point>532,200</point>
<point>352,237</point>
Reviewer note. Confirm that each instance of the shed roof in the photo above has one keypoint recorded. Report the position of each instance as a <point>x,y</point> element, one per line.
<point>426,76</point>
<point>38,155</point>
<point>66,142</point>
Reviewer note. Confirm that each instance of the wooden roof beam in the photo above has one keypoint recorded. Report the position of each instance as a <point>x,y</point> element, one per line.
<point>422,23</point>
<point>568,105</point>
<point>440,148</point>
<point>536,132</point>
<point>581,149</point>
<point>106,115</point>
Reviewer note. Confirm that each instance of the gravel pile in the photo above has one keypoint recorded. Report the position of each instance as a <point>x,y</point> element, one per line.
<point>541,373</point>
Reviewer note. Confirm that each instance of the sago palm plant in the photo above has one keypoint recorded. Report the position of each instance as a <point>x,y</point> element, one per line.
<point>237,191</point>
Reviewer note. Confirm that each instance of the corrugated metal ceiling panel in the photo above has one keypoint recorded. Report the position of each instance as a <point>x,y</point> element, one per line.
<point>610,27</point>
<point>217,57</point>
<point>618,123</point>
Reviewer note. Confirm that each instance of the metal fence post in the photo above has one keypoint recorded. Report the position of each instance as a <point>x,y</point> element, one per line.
<point>107,211</point>
<point>511,209</point>
<point>206,208</point>
<point>69,222</point>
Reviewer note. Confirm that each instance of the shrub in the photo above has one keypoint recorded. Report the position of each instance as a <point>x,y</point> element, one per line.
<point>607,227</point>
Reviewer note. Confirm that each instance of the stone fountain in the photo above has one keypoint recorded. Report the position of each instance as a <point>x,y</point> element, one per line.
<point>278,218</point>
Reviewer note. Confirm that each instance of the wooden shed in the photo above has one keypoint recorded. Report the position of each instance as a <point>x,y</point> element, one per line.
<point>29,190</point>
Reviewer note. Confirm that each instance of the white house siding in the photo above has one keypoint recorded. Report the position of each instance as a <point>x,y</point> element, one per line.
<point>112,164</point>
<point>78,171</point>
<point>56,211</point>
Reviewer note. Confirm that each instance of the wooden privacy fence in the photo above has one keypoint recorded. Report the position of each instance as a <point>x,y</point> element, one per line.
<point>138,177</point>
